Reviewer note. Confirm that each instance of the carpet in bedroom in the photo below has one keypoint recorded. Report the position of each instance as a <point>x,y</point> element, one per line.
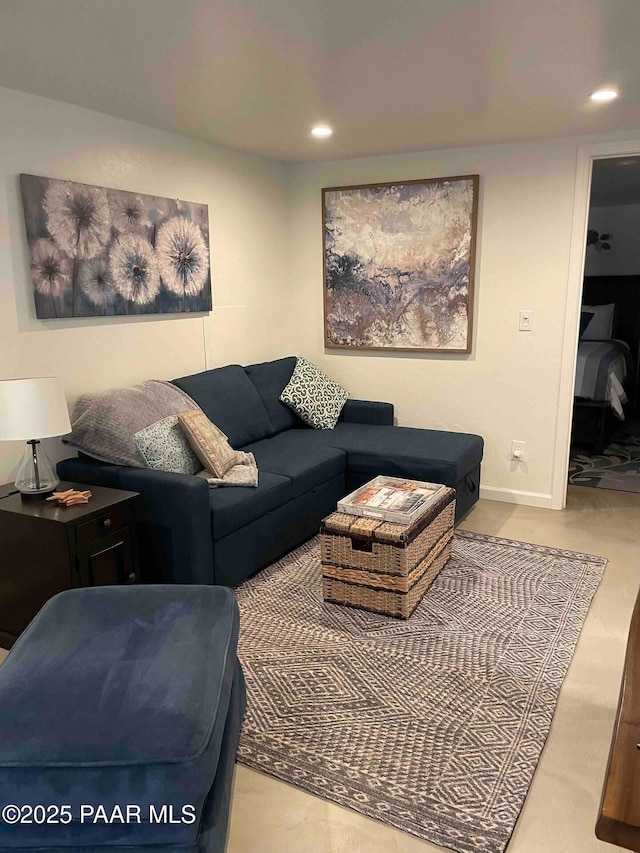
<point>434,725</point>
<point>617,467</point>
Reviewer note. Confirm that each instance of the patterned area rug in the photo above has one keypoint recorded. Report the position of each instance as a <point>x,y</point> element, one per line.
<point>617,468</point>
<point>434,725</point>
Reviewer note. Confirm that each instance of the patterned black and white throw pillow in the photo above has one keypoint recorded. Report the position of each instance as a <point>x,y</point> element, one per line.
<point>313,396</point>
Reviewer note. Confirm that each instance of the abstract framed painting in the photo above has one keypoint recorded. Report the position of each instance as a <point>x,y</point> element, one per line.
<point>399,262</point>
<point>103,252</point>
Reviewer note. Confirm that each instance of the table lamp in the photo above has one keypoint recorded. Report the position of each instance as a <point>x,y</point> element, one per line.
<point>28,408</point>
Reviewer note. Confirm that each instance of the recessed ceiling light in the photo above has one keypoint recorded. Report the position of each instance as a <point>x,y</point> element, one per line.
<point>321,131</point>
<point>604,95</point>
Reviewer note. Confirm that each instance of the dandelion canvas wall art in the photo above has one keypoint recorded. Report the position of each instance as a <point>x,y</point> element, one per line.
<point>399,264</point>
<point>96,251</point>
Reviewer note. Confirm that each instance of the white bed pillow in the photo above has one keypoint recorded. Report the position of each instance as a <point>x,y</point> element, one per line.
<point>600,327</point>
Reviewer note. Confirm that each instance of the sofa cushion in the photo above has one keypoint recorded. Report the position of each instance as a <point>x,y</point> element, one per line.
<point>314,396</point>
<point>422,454</point>
<point>299,455</point>
<point>229,398</point>
<point>137,682</point>
<point>163,446</point>
<point>367,412</point>
<point>270,378</point>
<point>233,507</point>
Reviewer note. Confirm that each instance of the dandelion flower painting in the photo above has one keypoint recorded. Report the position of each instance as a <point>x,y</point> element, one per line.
<point>50,271</point>
<point>399,265</point>
<point>96,283</point>
<point>98,251</point>
<point>183,256</point>
<point>128,211</point>
<point>134,269</point>
<point>78,218</point>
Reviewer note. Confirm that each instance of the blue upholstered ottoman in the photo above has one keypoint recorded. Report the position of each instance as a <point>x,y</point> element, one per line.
<point>120,712</point>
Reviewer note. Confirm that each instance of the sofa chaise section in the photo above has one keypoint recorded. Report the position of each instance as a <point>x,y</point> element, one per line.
<point>450,458</point>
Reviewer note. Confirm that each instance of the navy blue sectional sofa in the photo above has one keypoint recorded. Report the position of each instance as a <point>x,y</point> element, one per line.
<point>190,533</point>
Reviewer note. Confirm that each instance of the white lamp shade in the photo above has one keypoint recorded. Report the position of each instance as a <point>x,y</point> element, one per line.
<point>32,408</point>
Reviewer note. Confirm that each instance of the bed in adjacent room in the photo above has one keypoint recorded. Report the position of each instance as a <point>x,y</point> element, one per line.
<point>607,363</point>
<point>601,371</point>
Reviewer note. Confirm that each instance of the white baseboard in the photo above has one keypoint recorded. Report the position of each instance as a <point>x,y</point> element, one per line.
<point>515,496</point>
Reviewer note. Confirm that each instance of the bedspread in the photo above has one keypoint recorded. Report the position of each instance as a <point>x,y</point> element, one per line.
<point>601,371</point>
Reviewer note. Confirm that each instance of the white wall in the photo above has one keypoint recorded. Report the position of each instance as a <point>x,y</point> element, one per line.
<point>248,225</point>
<point>266,253</point>
<point>508,387</point>
<point>623,223</point>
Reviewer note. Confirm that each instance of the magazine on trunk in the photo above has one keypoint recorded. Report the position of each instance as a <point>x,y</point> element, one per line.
<point>392,499</point>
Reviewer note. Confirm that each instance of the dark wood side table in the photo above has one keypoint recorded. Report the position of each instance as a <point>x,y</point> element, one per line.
<point>46,548</point>
<point>619,817</point>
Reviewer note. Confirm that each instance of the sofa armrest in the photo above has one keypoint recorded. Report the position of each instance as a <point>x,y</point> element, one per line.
<point>367,412</point>
<point>173,518</point>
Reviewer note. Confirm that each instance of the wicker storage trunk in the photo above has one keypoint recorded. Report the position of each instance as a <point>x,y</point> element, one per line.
<point>383,567</point>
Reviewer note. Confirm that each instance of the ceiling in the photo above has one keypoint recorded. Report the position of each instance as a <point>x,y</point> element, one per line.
<point>388,75</point>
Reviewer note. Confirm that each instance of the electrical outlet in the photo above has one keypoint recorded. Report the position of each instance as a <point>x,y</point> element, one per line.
<point>518,450</point>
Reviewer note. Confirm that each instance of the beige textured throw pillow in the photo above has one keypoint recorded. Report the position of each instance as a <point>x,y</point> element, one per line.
<point>208,442</point>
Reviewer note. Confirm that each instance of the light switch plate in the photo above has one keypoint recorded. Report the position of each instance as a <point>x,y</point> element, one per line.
<point>526,320</point>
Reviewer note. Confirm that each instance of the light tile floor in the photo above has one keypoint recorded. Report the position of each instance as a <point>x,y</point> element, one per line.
<point>269,816</point>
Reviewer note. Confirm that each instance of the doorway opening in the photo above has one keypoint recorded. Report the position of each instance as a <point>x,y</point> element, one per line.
<point>605,435</point>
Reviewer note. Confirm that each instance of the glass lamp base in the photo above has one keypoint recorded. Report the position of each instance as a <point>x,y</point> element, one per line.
<point>36,475</point>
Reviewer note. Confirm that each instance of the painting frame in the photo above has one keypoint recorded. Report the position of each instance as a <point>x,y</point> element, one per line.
<point>97,251</point>
<point>465,346</point>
